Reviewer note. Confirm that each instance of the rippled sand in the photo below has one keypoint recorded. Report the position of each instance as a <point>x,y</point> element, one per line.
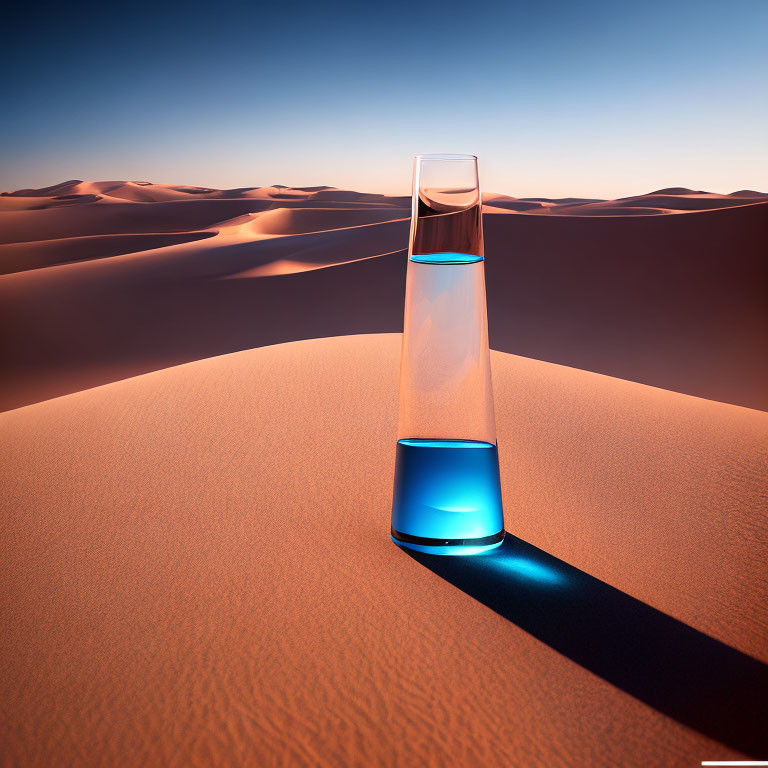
<point>196,567</point>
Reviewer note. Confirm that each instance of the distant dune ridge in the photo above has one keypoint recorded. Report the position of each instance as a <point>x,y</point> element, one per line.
<point>103,280</point>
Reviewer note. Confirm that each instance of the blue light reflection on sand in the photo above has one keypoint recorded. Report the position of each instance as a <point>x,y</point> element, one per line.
<point>528,569</point>
<point>519,566</point>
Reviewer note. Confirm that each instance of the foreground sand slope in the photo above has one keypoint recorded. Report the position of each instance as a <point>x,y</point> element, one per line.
<point>196,567</point>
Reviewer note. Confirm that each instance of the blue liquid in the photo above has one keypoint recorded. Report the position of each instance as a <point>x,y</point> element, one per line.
<point>445,258</point>
<point>447,497</point>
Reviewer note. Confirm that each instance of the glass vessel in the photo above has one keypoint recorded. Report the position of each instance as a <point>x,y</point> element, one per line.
<point>447,495</point>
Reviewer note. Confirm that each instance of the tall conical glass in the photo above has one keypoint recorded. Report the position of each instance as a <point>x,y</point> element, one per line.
<point>447,495</point>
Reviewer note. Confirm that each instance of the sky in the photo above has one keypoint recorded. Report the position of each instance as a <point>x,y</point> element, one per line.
<point>591,99</point>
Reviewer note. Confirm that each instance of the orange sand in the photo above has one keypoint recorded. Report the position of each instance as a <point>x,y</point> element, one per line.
<point>195,564</point>
<point>196,567</point>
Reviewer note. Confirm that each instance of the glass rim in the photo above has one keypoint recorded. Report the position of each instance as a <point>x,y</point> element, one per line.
<point>445,157</point>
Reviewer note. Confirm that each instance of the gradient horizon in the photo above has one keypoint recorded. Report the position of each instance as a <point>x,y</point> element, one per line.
<point>596,100</point>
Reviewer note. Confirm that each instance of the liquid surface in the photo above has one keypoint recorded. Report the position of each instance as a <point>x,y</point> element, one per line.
<point>445,258</point>
<point>446,491</point>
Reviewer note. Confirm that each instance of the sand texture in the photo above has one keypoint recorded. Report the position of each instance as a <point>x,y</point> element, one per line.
<point>199,396</point>
<point>196,571</point>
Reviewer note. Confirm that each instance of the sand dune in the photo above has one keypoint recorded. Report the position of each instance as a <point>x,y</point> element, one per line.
<point>180,303</point>
<point>686,192</point>
<point>135,191</point>
<point>674,301</point>
<point>506,203</point>
<point>691,202</point>
<point>110,207</point>
<point>120,217</point>
<point>196,568</point>
<point>295,221</point>
<point>645,205</point>
<point>19,257</point>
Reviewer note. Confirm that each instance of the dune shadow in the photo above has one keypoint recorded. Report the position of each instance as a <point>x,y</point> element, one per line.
<point>681,672</point>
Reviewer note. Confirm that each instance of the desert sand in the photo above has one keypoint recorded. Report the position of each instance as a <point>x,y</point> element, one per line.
<point>101,281</point>
<point>197,568</point>
<point>200,394</point>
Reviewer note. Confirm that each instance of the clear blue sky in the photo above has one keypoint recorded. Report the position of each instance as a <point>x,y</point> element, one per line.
<point>560,98</point>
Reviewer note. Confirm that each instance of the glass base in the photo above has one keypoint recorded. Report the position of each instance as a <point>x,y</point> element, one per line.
<point>447,496</point>
<point>448,546</point>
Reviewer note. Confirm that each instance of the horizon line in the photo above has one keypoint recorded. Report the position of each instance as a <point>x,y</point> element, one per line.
<point>320,187</point>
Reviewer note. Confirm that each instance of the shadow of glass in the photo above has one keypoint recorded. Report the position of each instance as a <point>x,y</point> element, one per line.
<point>679,671</point>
